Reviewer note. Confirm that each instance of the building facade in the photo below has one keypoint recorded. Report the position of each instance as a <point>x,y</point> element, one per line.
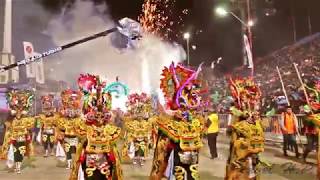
<point>6,56</point>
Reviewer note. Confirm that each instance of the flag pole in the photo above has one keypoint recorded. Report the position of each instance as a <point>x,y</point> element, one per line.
<point>35,92</point>
<point>56,50</point>
<point>283,88</point>
<point>127,27</point>
<point>302,84</point>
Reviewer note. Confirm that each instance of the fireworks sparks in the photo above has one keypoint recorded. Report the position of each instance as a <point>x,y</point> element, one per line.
<point>158,17</point>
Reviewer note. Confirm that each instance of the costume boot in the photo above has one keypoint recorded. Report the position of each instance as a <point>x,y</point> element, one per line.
<point>69,164</point>
<point>46,153</point>
<point>52,152</point>
<point>18,167</point>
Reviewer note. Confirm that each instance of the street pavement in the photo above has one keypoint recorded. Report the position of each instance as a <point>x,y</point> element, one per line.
<point>40,168</point>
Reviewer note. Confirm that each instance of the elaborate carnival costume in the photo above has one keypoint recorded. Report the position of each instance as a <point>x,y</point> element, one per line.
<point>97,156</point>
<point>179,134</point>
<point>247,135</point>
<point>138,128</point>
<point>17,142</point>
<point>313,98</point>
<point>48,120</point>
<point>70,116</point>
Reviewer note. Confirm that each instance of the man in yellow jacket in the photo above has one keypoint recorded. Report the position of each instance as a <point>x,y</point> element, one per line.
<point>212,133</point>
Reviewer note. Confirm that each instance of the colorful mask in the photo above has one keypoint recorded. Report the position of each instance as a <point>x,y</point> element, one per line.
<point>97,100</point>
<point>47,103</point>
<point>71,102</point>
<point>20,101</point>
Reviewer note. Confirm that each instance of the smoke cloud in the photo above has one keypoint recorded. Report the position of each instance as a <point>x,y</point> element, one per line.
<point>139,68</point>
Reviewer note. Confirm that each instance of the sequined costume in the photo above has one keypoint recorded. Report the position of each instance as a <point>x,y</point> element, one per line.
<point>17,140</point>
<point>97,156</point>
<point>48,119</point>
<point>70,113</point>
<point>179,133</point>
<point>247,133</point>
<point>314,114</point>
<point>138,128</point>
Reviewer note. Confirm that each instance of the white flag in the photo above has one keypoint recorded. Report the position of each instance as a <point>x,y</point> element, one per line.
<point>39,70</point>
<point>248,51</point>
<point>29,52</point>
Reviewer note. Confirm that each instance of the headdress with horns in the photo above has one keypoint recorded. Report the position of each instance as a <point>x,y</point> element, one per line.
<point>97,100</point>
<point>181,87</point>
<point>245,93</point>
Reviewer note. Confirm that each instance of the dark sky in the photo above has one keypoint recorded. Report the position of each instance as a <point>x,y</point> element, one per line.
<point>221,37</point>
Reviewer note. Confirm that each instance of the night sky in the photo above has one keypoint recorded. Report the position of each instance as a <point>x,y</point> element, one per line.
<point>221,37</point>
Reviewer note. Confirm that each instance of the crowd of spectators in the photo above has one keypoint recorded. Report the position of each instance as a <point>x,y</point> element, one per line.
<point>305,53</point>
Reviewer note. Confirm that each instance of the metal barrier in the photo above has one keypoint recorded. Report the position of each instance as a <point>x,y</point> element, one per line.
<point>271,123</point>
<point>224,120</point>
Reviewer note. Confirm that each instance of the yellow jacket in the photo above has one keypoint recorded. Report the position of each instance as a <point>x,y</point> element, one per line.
<point>213,123</point>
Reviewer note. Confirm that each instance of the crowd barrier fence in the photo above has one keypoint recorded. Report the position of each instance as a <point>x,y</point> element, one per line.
<point>271,123</point>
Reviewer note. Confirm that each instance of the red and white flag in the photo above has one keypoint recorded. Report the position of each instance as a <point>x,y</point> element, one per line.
<point>35,69</point>
<point>29,52</point>
<point>248,51</point>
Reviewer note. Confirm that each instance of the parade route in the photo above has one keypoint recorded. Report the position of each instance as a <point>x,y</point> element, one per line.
<point>159,90</point>
<point>283,169</point>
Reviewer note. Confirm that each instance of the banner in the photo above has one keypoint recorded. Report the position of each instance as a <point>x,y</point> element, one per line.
<point>248,51</point>
<point>39,70</point>
<point>14,71</point>
<point>28,53</point>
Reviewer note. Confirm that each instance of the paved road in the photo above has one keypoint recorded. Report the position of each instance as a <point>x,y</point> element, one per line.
<point>49,169</point>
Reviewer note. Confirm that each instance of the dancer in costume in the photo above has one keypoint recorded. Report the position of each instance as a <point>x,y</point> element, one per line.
<point>48,120</point>
<point>176,154</point>
<point>97,156</point>
<point>17,142</point>
<point>138,128</point>
<point>70,115</point>
<point>247,134</point>
<point>313,121</point>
